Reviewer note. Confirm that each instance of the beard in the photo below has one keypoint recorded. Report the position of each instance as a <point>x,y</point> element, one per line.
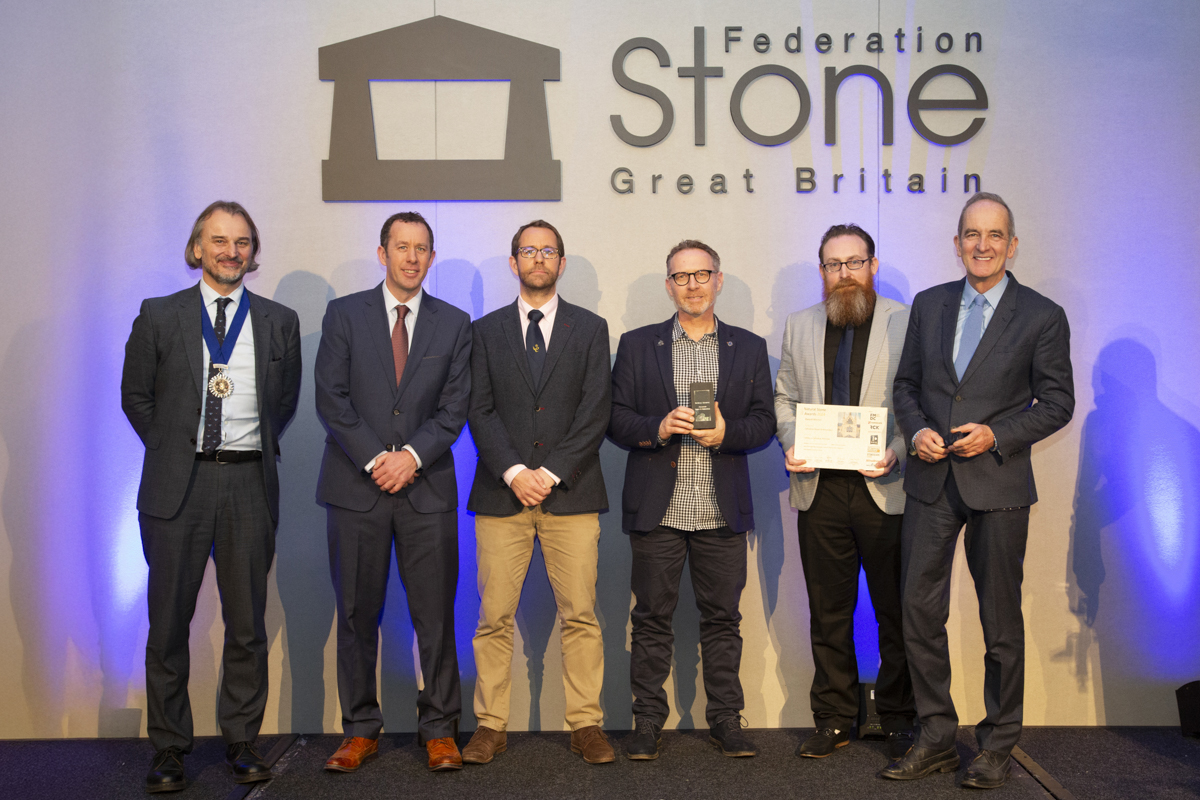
<point>849,302</point>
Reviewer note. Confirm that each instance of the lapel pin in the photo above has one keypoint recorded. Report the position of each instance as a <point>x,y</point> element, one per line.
<point>660,343</point>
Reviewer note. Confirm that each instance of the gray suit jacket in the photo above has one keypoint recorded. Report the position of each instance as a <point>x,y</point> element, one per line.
<point>801,379</point>
<point>558,424</point>
<point>164,380</point>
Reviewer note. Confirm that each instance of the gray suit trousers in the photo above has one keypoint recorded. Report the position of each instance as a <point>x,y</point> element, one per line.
<point>224,514</point>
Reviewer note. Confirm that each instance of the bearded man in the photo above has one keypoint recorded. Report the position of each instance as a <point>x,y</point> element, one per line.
<point>844,351</point>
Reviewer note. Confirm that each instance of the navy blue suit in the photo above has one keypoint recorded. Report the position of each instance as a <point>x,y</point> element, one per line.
<point>1024,355</point>
<point>365,413</point>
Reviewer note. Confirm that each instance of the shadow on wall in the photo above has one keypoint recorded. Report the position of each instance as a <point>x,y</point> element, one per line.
<point>301,548</point>
<point>1134,564</point>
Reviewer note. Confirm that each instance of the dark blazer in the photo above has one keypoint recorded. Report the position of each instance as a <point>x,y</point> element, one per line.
<point>644,393</point>
<point>163,384</point>
<point>1024,355</point>
<point>558,425</point>
<point>364,411</point>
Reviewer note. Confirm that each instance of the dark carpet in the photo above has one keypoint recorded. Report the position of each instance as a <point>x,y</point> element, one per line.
<point>1089,762</point>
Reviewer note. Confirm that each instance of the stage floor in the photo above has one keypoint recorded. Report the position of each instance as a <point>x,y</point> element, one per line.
<point>1063,763</point>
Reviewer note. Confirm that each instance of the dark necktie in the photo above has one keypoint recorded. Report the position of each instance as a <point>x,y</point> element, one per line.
<point>400,341</point>
<point>841,369</point>
<point>212,405</point>
<point>535,346</point>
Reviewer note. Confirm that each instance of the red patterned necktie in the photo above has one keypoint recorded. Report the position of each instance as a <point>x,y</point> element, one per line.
<point>400,341</point>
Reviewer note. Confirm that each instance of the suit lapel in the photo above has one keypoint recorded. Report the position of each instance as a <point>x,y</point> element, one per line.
<point>191,305</point>
<point>376,316</point>
<point>949,322</point>
<point>879,323</point>
<point>662,350</point>
<point>818,351</point>
<point>260,323</point>
<point>564,320</point>
<point>1000,319</point>
<point>424,332</point>
<point>726,350</point>
<point>510,323</point>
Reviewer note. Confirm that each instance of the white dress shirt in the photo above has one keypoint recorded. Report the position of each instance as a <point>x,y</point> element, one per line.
<point>239,411</point>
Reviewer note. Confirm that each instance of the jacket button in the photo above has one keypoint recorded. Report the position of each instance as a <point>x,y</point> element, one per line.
<point>672,465</point>
<point>193,440</point>
<point>958,398</point>
<point>395,412</point>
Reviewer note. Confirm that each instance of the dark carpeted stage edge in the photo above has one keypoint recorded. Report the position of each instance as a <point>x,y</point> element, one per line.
<point>1063,763</point>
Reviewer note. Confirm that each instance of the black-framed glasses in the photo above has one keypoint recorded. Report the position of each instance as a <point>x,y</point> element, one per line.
<point>852,264</point>
<point>701,276</point>
<point>531,252</point>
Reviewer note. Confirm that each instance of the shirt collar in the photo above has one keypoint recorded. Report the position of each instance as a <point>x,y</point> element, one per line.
<point>210,295</point>
<point>548,308</point>
<point>992,295</point>
<point>414,305</point>
<point>678,333</point>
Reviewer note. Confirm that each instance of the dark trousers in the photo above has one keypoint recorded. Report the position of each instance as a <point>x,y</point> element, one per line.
<point>995,550</point>
<point>718,566</point>
<point>225,515</point>
<point>360,557</point>
<point>842,529</point>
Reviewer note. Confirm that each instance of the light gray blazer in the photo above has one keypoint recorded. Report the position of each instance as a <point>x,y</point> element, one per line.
<point>802,380</point>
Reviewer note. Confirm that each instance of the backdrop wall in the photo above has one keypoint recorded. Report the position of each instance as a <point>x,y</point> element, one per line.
<point>120,121</point>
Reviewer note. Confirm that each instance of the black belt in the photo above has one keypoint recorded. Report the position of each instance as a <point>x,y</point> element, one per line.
<point>230,456</point>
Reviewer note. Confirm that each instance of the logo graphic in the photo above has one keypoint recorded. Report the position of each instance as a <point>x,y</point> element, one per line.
<point>439,48</point>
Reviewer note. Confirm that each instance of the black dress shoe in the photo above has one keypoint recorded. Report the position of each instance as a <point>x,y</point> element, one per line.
<point>921,761</point>
<point>166,771</point>
<point>989,770</point>
<point>643,743</point>
<point>727,737</point>
<point>823,743</point>
<point>246,765</point>
<point>898,743</point>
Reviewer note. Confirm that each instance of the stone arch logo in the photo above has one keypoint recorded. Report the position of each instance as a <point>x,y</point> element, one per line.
<point>433,49</point>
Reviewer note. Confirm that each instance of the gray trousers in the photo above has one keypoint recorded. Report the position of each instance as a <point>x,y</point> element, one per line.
<point>224,515</point>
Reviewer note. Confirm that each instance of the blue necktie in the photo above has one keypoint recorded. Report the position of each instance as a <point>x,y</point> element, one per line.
<point>535,346</point>
<point>841,369</point>
<point>972,332</point>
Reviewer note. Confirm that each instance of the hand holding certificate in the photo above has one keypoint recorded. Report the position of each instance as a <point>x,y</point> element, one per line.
<point>840,437</point>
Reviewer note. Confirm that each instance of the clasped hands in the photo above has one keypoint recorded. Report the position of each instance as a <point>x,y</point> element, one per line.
<point>394,470</point>
<point>680,421</point>
<point>976,439</point>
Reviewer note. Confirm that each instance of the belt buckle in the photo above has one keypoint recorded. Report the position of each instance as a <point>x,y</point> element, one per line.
<point>217,457</point>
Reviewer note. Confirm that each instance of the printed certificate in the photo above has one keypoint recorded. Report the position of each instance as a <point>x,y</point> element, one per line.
<point>840,437</point>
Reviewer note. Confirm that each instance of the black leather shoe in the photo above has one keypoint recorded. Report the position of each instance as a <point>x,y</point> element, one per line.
<point>823,743</point>
<point>166,771</point>
<point>989,770</point>
<point>919,762</point>
<point>727,737</point>
<point>246,765</point>
<point>898,743</point>
<point>643,743</point>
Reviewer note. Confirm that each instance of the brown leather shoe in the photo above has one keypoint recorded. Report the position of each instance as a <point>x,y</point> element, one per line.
<point>485,745</point>
<point>443,754</point>
<point>353,753</point>
<point>592,744</point>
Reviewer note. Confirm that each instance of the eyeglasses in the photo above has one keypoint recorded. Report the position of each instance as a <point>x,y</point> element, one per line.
<point>852,264</point>
<point>682,278</point>
<point>531,252</point>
